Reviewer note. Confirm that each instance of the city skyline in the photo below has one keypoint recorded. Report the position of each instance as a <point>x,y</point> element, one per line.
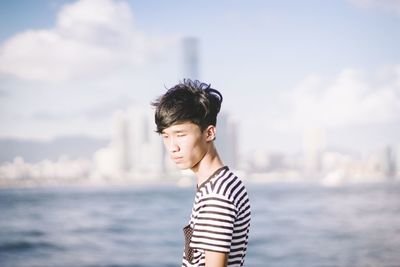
<point>135,155</point>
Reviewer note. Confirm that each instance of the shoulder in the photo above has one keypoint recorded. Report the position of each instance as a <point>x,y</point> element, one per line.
<point>228,186</point>
<point>225,185</point>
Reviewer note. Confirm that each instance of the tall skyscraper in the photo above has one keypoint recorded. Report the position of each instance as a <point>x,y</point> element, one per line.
<point>146,145</point>
<point>227,140</point>
<point>190,58</point>
<point>388,163</point>
<point>313,147</point>
<point>121,142</point>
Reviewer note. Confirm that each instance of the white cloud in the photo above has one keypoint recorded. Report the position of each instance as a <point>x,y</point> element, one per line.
<point>90,37</point>
<point>350,99</point>
<point>387,5</point>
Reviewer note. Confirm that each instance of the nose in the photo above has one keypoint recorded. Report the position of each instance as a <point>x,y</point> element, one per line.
<point>171,145</point>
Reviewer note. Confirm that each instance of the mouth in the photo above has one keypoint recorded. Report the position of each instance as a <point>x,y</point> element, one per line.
<point>177,159</point>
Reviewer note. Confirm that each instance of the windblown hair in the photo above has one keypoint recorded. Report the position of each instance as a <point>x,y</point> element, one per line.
<point>188,101</point>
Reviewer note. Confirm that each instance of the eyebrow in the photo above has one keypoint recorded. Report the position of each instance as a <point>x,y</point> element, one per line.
<point>176,131</point>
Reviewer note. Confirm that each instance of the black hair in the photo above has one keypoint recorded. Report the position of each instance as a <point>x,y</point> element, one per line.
<point>188,101</point>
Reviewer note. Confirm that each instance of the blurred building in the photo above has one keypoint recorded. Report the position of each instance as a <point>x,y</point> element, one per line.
<point>397,161</point>
<point>227,140</point>
<point>135,152</point>
<point>145,145</point>
<point>388,163</point>
<point>121,141</point>
<point>313,147</point>
<point>191,58</point>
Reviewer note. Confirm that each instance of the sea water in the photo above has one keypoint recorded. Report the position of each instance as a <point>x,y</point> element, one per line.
<point>292,225</point>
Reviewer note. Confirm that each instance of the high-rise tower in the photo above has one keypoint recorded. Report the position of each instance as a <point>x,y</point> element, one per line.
<point>227,140</point>
<point>190,58</point>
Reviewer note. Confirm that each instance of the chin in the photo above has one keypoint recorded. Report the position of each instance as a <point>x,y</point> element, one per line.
<point>183,166</point>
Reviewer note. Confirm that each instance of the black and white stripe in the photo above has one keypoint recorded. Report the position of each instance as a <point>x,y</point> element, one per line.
<point>220,219</point>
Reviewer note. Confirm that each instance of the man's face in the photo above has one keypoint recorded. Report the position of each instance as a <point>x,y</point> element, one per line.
<point>186,144</point>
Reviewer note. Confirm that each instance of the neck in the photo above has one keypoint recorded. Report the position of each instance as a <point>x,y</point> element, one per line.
<point>207,166</point>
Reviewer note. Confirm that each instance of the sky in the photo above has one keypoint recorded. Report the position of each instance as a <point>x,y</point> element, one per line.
<point>284,67</point>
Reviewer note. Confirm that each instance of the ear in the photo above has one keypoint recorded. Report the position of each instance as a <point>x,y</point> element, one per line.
<point>211,133</point>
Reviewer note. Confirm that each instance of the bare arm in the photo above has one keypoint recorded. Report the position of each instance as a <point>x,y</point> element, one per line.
<point>216,259</point>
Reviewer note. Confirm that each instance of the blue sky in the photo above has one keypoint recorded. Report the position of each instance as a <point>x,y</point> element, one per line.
<point>284,67</point>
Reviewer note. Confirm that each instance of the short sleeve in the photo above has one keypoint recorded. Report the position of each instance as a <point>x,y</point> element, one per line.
<point>214,224</point>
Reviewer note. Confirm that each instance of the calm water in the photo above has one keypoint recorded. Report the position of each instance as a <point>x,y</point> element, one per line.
<point>292,225</point>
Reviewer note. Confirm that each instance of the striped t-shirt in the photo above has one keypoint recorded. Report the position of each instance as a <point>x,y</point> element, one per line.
<point>220,220</point>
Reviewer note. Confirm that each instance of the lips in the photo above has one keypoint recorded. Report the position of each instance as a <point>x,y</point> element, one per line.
<point>177,159</point>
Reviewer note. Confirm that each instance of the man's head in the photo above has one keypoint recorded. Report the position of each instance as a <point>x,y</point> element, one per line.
<point>186,116</point>
<point>189,101</point>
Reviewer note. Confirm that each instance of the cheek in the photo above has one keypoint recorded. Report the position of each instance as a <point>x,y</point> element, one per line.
<point>186,145</point>
<point>197,148</point>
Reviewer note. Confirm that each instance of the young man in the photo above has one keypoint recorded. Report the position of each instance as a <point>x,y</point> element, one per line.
<point>217,234</point>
